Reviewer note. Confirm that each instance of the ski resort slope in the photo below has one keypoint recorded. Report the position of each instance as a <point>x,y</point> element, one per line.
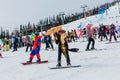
<point>100,64</point>
<point>110,16</point>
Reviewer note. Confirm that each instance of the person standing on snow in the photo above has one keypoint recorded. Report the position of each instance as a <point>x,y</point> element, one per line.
<point>32,38</point>
<point>15,42</point>
<point>36,48</point>
<point>1,46</point>
<point>72,36</point>
<point>48,42</point>
<point>28,43</point>
<point>90,37</point>
<point>113,32</point>
<point>61,40</point>
<point>102,32</point>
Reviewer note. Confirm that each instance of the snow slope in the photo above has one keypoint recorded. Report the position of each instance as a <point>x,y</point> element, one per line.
<point>112,16</point>
<point>95,65</point>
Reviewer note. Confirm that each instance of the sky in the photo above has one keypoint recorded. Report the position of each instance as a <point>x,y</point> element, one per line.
<point>16,12</point>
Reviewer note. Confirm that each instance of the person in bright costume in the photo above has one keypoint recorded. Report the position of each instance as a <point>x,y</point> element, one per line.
<point>36,48</point>
<point>32,37</point>
<point>6,45</point>
<point>61,40</point>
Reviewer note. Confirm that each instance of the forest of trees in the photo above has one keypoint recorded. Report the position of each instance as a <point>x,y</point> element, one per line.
<point>53,21</point>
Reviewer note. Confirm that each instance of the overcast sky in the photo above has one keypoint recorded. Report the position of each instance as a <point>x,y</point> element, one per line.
<point>16,12</point>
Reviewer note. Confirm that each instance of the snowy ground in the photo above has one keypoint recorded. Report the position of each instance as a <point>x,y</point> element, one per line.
<point>95,65</point>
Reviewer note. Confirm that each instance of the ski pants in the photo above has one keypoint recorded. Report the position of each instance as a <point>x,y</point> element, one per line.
<point>63,49</point>
<point>89,42</point>
<point>35,52</point>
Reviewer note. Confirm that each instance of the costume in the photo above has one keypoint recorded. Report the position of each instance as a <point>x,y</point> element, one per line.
<point>36,48</point>
<point>61,40</point>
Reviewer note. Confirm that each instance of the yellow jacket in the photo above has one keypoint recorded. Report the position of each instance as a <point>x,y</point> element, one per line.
<point>62,38</point>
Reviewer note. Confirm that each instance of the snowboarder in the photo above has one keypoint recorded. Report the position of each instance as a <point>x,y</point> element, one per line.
<point>36,48</point>
<point>61,40</point>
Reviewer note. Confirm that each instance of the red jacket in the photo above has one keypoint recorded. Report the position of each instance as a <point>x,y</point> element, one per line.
<point>37,42</point>
<point>91,33</point>
<point>88,26</point>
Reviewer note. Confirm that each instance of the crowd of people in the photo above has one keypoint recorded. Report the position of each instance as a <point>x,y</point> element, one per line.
<point>62,38</point>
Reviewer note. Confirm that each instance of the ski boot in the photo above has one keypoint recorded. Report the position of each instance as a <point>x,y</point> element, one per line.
<point>29,61</point>
<point>68,64</point>
<point>39,60</point>
<point>92,48</point>
<point>87,49</point>
<point>53,49</point>
<point>58,65</point>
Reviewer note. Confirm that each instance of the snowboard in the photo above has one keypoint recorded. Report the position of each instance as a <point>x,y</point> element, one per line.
<point>73,49</point>
<point>63,67</point>
<point>96,49</point>
<point>112,42</point>
<point>29,63</point>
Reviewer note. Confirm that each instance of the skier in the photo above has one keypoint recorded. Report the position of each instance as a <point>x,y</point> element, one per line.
<point>36,48</point>
<point>61,40</point>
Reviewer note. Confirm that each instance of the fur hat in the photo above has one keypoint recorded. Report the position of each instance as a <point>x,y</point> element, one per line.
<point>62,31</point>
